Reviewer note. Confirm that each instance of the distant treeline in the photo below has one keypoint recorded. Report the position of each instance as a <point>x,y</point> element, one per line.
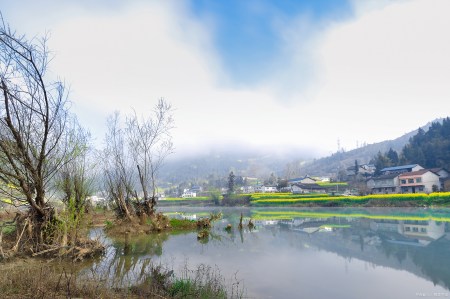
<point>429,149</point>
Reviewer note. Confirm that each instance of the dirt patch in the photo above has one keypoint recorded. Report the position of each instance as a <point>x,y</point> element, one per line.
<point>99,218</point>
<point>7,214</point>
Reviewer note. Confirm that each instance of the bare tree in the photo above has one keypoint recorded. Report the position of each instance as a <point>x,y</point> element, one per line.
<point>133,157</point>
<point>34,125</point>
<point>117,167</point>
<point>150,142</point>
<point>76,178</point>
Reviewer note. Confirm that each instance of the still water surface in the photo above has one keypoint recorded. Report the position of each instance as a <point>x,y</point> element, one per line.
<point>305,253</point>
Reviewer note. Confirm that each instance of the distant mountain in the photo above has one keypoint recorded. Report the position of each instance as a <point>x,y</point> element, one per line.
<point>329,166</point>
<point>260,163</point>
<point>248,162</point>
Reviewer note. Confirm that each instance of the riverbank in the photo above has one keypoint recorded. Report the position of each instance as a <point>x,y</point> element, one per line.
<point>441,199</point>
<point>32,278</point>
<point>43,277</point>
<point>438,199</point>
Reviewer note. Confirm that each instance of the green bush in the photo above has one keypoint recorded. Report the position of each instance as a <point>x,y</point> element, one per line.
<point>108,224</point>
<point>182,223</point>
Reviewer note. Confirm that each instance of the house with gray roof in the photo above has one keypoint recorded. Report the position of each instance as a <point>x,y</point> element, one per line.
<point>384,184</point>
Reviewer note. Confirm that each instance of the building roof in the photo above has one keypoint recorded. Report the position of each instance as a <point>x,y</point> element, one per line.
<point>418,172</point>
<point>385,176</point>
<point>437,169</point>
<point>302,178</point>
<point>368,165</point>
<point>295,179</point>
<point>402,167</point>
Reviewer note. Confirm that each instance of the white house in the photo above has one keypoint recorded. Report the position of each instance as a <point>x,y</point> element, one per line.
<point>421,181</point>
<point>188,194</point>
<point>268,189</point>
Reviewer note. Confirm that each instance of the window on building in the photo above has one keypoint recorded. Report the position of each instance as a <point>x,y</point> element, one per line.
<point>403,181</point>
<point>420,188</point>
<point>418,180</point>
<point>423,230</point>
<point>393,189</point>
<point>415,229</point>
<point>410,181</point>
<point>407,229</point>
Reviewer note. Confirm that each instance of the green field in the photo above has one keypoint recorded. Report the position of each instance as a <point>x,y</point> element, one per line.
<point>433,198</point>
<point>188,198</point>
<point>283,196</point>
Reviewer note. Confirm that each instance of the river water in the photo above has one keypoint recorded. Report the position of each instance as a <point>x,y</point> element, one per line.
<point>303,253</point>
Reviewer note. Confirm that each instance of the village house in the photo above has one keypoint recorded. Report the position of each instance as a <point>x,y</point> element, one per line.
<point>401,169</point>
<point>411,178</point>
<point>187,193</point>
<point>420,181</point>
<point>302,180</point>
<point>365,170</point>
<point>268,189</point>
<point>443,177</point>
<point>194,191</point>
<point>384,184</point>
<point>307,188</point>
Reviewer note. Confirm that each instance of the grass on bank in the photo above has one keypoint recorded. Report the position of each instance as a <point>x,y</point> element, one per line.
<point>7,229</point>
<point>187,198</point>
<point>438,197</point>
<point>43,280</point>
<point>182,224</point>
<point>263,196</point>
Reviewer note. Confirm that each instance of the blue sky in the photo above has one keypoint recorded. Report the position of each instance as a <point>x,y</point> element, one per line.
<point>272,74</point>
<point>246,33</point>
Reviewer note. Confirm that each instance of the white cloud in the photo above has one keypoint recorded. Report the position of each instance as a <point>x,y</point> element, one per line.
<point>128,60</point>
<point>379,75</point>
<point>385,72</point>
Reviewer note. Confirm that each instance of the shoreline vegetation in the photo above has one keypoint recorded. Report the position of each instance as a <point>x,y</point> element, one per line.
<point>44,276</point>
<point>31,278</point>
<point>437,199</point>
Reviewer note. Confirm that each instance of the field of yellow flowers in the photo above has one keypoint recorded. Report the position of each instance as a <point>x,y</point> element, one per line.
<point>289,199</point>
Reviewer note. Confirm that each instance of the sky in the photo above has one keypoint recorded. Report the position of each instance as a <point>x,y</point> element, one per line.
<point>288,74</point>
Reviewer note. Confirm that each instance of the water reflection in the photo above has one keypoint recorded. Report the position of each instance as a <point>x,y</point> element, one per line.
<point>127,259</point>
<point>318,253</point>
<point>399,241</point>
